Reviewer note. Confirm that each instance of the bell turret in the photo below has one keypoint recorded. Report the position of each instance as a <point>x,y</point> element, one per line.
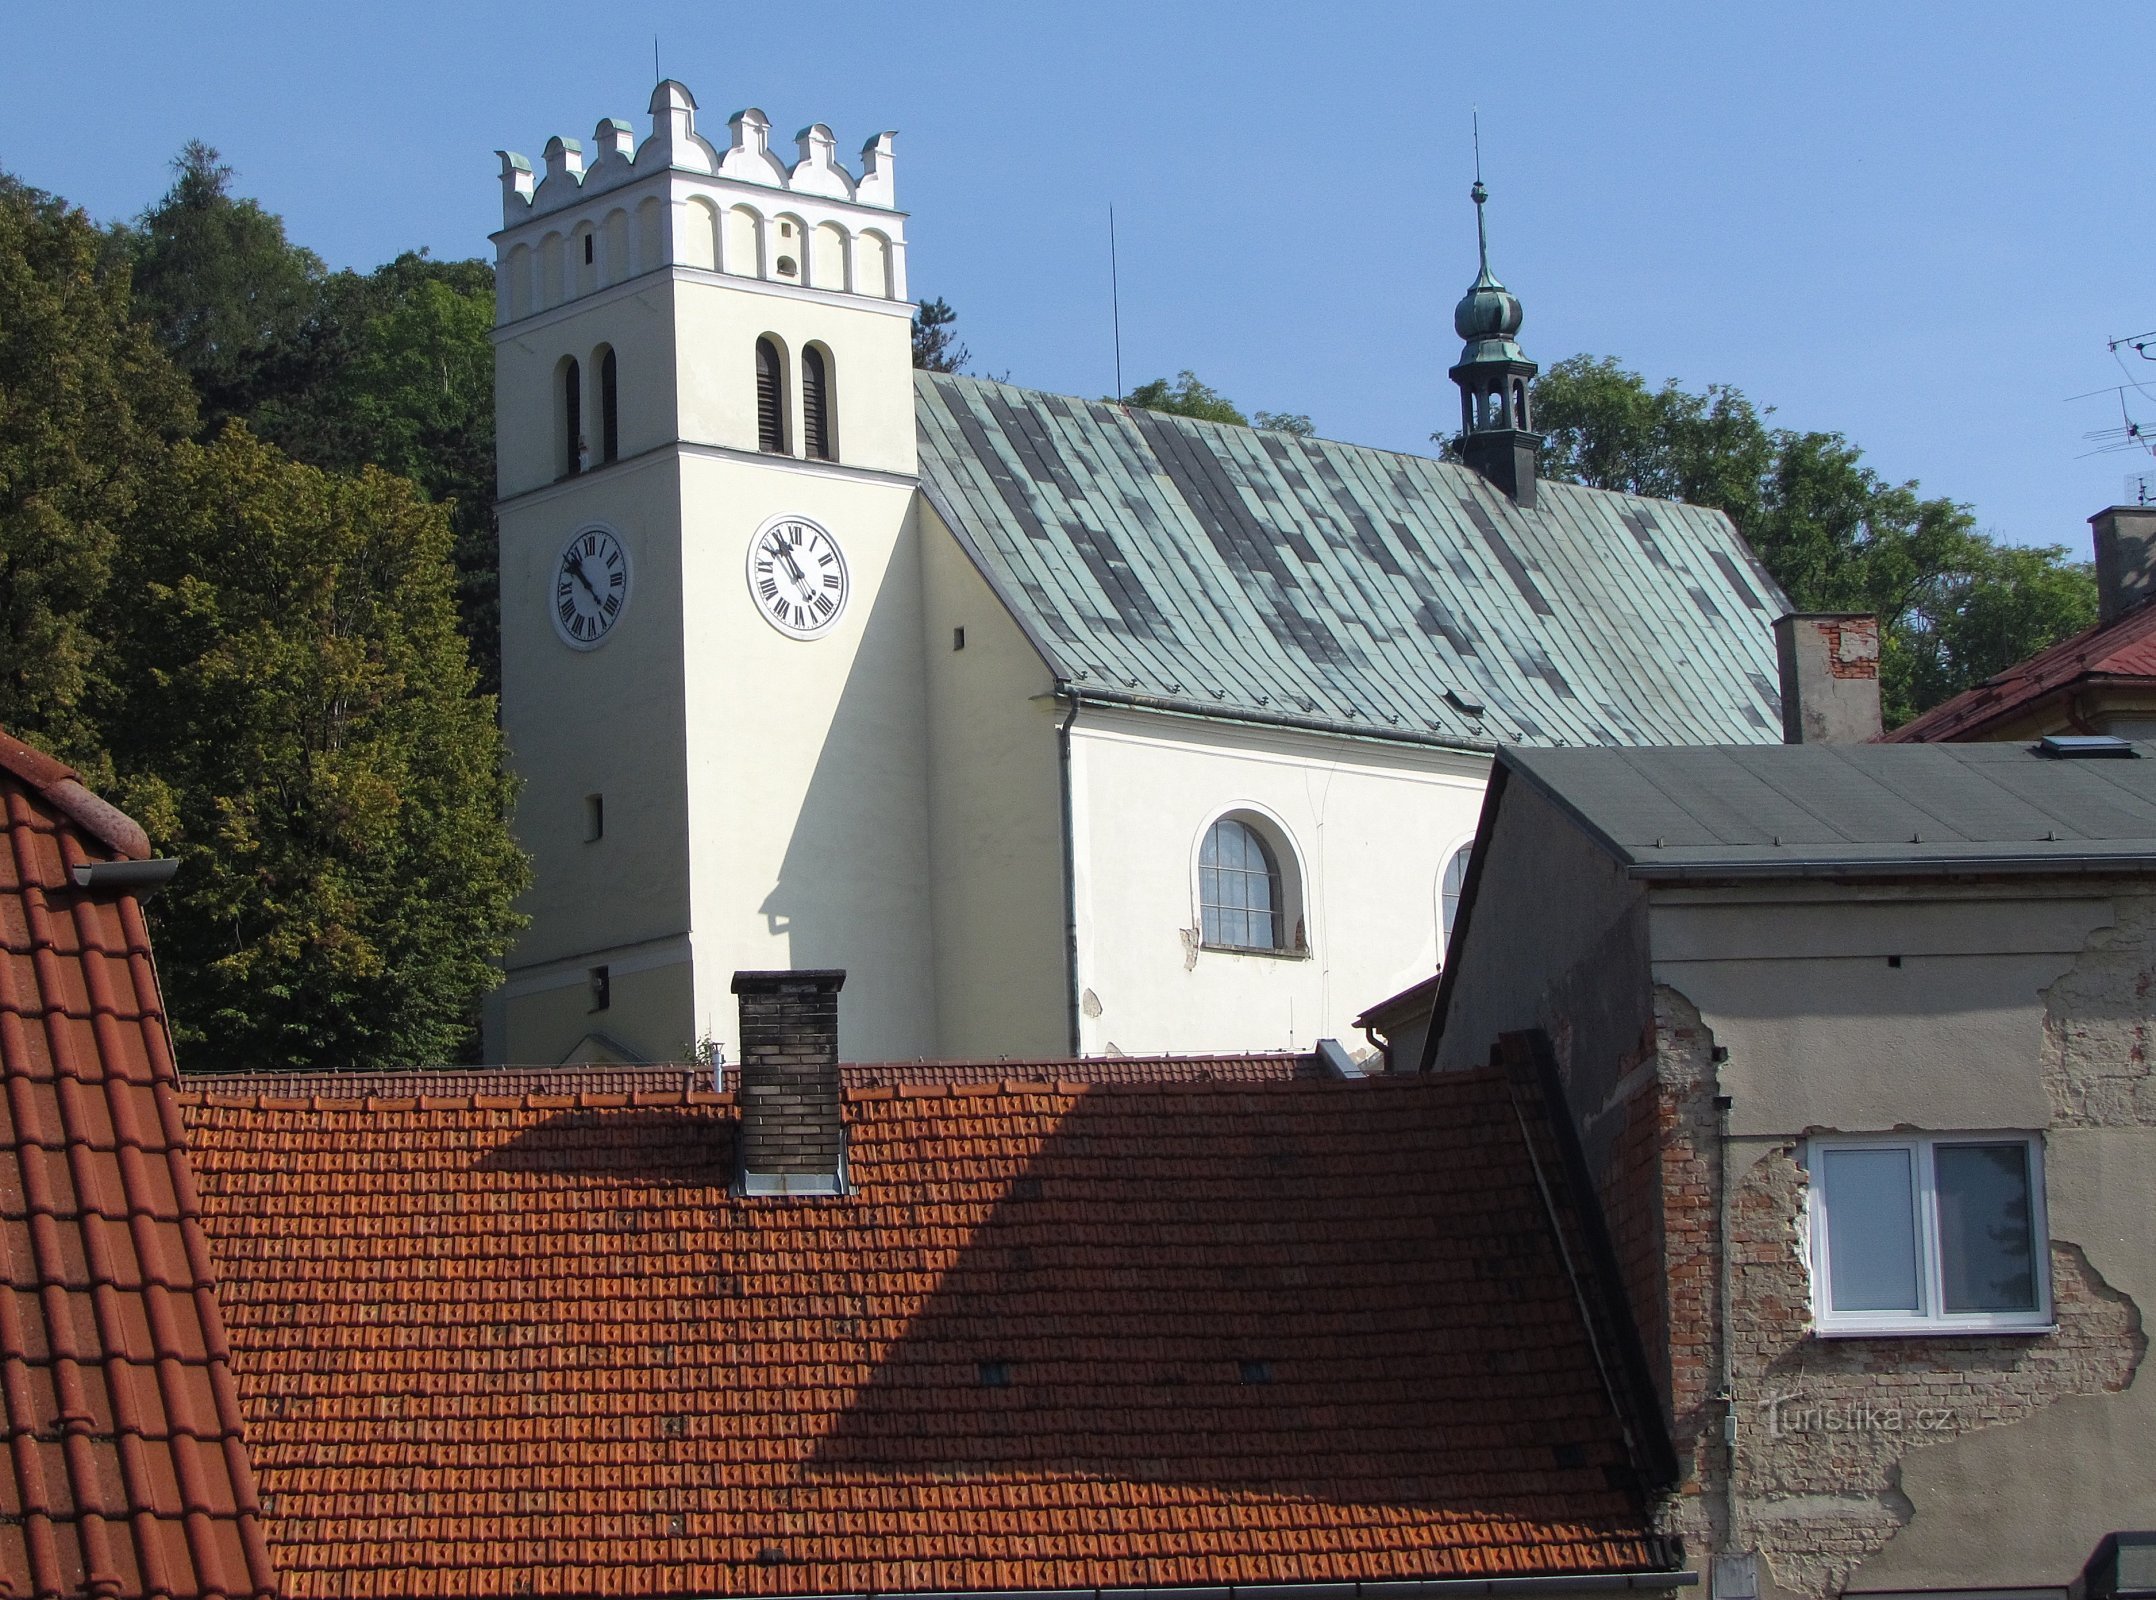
<point>1496,431</point>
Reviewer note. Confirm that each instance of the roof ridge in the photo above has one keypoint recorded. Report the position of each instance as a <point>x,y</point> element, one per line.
<point>62,785</point>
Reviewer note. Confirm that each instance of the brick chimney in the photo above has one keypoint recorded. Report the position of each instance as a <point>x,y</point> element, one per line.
<point>2125,559</point>
<point>1830,677</point>
<point>792,1141</point>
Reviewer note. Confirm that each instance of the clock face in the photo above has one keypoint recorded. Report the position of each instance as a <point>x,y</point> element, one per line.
<point>797,577</point>
<point>591,586</point>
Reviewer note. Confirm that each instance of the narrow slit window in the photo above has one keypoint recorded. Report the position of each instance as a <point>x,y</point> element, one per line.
<point>770,399</point>
<point>572,403</point>
<point>609,411</point>
<point>816,402</point>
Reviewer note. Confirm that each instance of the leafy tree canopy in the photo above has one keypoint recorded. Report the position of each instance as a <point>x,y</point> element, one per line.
<point>230,298</point>
<point>1955,605</point>
<point>87,405</point>
<point>935,339</point>
<point>1187,396</point>
<point>294,717</point>
<point>1295,422</point>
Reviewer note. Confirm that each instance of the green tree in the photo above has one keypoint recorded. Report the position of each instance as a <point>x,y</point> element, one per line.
<point>1294,422</point>
<point>1187,396</point>
<point>87,404</point>
<point>1954,604</point>
<point>293,716</point>
<point>935,338</point>
<point>229,297</point>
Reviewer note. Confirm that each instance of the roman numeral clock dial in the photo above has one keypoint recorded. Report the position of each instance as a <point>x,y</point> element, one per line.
<point>591,586</point>
<point>797,577</point>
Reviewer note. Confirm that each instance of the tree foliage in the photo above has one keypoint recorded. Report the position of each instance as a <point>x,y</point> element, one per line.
<point>1187,396</point>
<point>87,405</point>
<point>1955,605</point>
<point>1295,422</point>
<point>935,338</point>
<point>295,720</point>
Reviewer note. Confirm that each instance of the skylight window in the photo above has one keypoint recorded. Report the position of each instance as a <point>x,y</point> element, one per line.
<point>2085,747</point>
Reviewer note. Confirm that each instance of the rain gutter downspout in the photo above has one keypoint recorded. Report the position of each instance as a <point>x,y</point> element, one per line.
<point>1070,866</point>
<point>1725,1356</point>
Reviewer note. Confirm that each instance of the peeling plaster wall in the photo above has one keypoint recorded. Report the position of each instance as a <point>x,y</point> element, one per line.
<point>1906,1463</point>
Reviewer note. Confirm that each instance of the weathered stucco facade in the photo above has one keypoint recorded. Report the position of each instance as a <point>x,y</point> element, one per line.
<point>1706,1034</point>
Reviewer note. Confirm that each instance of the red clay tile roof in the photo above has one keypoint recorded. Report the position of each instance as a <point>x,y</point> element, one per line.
<point>1058,1335</point>
<point>611,1079</point>
<point>125,1472</point>
<point>2124,648</point>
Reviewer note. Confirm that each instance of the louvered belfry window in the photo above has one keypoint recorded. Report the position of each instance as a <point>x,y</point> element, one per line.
<point>609,411</point>
<point>770,399</point>
<point>816,402</point>
<point>572,395</point>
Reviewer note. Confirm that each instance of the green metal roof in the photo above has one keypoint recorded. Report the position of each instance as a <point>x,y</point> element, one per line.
<point>1239,573</point>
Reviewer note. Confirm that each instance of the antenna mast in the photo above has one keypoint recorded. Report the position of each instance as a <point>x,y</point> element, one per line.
<point>656,76</point>
<point>1115,304</point>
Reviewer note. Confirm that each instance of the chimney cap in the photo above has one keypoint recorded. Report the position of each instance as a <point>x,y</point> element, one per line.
<point>833,978</point>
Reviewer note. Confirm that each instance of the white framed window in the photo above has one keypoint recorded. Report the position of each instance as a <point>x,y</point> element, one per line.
<point>1930,1233</point>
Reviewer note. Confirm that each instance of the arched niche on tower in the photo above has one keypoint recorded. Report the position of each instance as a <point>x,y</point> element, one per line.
<point>614,247</point>
<point>551,286</point>
<point>744,254</point>
<point>516,287</point>
<point>650,234</point>
<point>789,245</point>
<point>698,243</point>
<point>584,258</point>
<point>827,257</point>
<point>872,264</point>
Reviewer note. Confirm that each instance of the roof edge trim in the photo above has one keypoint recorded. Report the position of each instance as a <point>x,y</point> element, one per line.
<point>1166,705</point>
<point>1877,867</point>
<point>1376,1589</point>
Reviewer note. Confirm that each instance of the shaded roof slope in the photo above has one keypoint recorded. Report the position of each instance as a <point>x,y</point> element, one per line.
<point>1057,1336</point>
<point>1239,572</point>
<point>1796,809</point>
<point>2122,650</point>
<point>125,1472</point>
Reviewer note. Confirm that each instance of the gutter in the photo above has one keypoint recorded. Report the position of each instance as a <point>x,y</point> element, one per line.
<point>1209,711</point>
<point>2079,864</point>
<point>1070,877</point>
<point>140,878</point>
<point>1387,1589</point>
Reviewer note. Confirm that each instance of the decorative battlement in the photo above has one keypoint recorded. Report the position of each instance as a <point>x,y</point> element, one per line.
<point>675,145</point>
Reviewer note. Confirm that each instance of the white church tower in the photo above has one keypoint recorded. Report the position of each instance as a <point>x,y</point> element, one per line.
<point>710,588</point>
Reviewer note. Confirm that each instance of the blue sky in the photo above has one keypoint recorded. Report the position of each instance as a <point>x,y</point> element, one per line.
<point>1917,225</point>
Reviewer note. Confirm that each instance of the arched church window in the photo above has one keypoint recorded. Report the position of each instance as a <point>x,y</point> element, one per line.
<point>1519,404</point>
<point>770,399</point>
<point>1239,899</point>
<point>1450,888</point>
<point>816,402</point>
<point>609,409</point>
<point>574,452</point>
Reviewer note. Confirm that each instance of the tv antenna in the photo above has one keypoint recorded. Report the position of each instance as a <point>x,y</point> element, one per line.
<point>1115,306</point>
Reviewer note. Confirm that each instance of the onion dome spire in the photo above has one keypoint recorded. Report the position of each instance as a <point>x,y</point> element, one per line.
<point>1493,373</point>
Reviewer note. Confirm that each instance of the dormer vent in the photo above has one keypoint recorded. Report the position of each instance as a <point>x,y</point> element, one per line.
<point>792,1138</point>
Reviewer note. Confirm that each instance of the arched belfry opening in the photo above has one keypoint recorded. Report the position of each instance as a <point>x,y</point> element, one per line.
<point>770,397</point>
<point>1494,374</point>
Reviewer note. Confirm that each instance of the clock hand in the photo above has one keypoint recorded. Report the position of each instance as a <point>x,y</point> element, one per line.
<point>576,568</point>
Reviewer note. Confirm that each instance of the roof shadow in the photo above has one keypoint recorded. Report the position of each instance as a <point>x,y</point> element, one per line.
<point>1345,1293</point>
<point>686,1146</point>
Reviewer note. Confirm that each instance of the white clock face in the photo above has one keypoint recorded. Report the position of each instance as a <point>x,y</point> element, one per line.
<point>798,577</point>
<point>591,586</point>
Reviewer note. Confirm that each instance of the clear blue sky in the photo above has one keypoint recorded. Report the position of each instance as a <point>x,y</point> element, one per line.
<point>1916,225</point>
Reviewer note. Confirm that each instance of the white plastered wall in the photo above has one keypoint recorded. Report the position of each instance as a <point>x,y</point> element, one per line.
<point>1368,827</point>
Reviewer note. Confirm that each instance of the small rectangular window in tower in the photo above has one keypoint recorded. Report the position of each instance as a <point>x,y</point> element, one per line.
<point>602,989</point>
<point>958,638</point>
<point>588,248</point>
<point>594,817</point>
<point>609,410</point>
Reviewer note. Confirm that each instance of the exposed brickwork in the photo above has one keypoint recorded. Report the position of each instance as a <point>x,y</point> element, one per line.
<point>2097,1025</point>
<point>789,1072</point>
<point>1823,1424</point>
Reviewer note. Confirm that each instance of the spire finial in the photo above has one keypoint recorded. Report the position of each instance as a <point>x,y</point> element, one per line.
<point>1479,195</point>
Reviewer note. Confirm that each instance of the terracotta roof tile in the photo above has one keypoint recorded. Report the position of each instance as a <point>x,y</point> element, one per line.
<point>585,1079</point>
<point>125,1473</point>
<point>2123,648</point>
<point>1059,1335</point>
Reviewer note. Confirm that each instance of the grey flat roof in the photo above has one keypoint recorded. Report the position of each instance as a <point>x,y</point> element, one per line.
<point>1253,575</point>
<point>1840,810</point>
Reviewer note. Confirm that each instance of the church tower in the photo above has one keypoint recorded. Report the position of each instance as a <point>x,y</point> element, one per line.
<point>710,593</point>
<point>1496,431</point>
